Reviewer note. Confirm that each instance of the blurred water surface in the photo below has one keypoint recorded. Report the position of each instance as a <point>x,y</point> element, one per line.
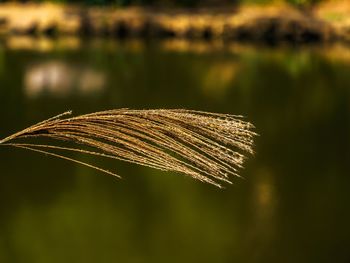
<point>292,206</point>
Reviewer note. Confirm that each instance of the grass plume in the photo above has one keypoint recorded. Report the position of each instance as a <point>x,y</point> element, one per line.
<point>206,146</point>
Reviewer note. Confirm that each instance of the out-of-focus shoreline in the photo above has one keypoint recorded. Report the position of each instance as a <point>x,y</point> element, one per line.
<point>263,24</point>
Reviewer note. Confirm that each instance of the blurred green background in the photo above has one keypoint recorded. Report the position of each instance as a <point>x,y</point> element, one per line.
<point>292,206</point>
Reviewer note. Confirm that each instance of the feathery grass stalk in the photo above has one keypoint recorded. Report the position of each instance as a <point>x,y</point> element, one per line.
<point>206,146</point>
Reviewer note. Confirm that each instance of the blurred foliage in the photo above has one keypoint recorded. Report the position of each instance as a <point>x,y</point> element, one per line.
<point>303,2</point>
<point>170,3</point>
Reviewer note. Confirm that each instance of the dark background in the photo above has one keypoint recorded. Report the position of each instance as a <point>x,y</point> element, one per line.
<point>291,206</point>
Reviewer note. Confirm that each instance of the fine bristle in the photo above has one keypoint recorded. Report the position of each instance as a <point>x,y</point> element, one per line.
<point>206,146</point>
